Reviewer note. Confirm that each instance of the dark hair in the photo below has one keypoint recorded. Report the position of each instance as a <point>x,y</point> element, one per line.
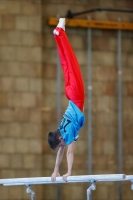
<point>53,138</point>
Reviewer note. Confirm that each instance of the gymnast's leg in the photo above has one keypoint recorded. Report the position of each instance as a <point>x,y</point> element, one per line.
<point>74,87</point>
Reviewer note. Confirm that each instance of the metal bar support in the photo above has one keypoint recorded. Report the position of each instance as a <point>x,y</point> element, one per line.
<point>119,109</point>
<point>92,187</point>
<point>29,191</point>
<point>131,185</point>
<point>89,104</point>
<point>71,15</point>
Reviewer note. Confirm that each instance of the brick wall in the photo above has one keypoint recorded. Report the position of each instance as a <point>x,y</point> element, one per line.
<point>20,93</point>
<point>28,97</point>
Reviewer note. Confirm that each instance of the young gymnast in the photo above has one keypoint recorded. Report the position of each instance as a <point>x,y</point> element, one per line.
<point>73,118</point>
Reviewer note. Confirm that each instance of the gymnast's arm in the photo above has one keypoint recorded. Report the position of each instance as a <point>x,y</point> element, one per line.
<point>70,157</point>
<point>59,157</point>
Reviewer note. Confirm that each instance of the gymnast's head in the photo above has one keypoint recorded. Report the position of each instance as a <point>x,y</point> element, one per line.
<point>55,139</point>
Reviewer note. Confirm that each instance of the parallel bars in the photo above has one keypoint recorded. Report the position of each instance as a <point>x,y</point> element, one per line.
<point>70,179</point>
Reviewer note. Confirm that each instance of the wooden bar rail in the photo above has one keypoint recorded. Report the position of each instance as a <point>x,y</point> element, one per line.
<point>96,24</point>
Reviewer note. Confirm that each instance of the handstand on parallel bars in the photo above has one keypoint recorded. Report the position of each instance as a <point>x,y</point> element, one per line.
<point>70,179</point>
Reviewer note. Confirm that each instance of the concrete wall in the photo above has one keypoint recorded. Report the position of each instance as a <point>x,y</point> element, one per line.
<point>28,97</point>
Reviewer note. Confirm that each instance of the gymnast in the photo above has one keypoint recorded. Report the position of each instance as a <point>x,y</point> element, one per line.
<point>73,118</point>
